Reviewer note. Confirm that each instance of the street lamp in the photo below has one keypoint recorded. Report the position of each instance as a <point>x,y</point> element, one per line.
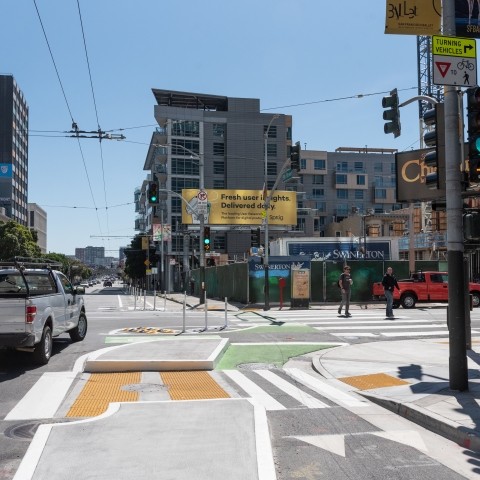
<point>267,208</point>
<point>201,217</point>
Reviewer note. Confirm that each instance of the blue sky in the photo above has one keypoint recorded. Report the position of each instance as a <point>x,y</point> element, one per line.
<point>283,52</point>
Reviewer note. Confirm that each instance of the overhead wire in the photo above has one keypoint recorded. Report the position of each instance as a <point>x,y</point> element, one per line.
<point>96,112</point>
<point>74,124</point>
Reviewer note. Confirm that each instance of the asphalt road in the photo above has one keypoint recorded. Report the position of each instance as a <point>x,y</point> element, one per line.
<point>350,443</point>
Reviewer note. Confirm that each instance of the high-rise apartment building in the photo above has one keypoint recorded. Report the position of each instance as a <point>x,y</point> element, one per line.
<point>13,150</point>
<point>223,136</point>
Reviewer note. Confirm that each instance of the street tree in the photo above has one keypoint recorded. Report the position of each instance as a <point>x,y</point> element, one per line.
<point>17,241</point>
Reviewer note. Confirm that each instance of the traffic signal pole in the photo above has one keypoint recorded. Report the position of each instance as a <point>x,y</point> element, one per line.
<point>458,370</point>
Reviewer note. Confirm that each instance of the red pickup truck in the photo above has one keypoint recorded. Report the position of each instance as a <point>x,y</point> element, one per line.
<point>423,287</point>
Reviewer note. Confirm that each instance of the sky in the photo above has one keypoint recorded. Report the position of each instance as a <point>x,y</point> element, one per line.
<point>326,63</point>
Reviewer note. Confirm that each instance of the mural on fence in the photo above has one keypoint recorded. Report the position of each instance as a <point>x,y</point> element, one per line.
<point>279,268</point>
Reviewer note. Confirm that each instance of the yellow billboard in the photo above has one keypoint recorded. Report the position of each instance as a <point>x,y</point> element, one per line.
<point>238,207</point>
<point>413,17</point>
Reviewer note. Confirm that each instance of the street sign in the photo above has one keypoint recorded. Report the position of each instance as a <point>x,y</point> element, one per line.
<point>147,262</point>
<point>454,61</point>
<point>287,175</point>
<point>202,203</point>
<point>454,46</point>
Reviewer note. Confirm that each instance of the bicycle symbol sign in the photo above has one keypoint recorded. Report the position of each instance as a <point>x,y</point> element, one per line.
<point>454,61</point>
<point>455,71</point>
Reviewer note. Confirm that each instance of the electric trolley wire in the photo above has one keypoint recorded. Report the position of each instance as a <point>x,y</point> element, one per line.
<point>96,113</point>
<point>53,60</point>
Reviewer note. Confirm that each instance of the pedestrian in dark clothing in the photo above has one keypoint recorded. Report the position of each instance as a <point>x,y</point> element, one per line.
<point>389,283</point>
<point>345,282</point>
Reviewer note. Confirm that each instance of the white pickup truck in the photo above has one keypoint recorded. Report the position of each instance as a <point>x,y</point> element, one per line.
<point>38,303</point>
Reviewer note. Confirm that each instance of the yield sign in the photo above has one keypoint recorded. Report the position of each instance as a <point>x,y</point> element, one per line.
<point>443,67</point>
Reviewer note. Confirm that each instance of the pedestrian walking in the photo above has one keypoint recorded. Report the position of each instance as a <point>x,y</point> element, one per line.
<point>389,283</point>
<point>345,283</point>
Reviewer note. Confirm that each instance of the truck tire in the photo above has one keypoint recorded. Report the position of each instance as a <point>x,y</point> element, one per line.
<point>78,333</point>
<point>408,300</point>
<point>43,350</point>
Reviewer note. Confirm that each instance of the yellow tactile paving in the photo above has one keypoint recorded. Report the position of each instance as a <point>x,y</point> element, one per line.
<point>102,389</point>
<point>192,386</point>
<point>375,380</point>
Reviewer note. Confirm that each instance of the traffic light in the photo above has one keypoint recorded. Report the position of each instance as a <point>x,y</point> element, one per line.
<point>153,193</point>
<point>434,139</point>
<point>206,239</point>
<point>295,156</point>
<point>392,115</point>
<point>255,237</point>
<point>473,117</point>
<point>471,226</point>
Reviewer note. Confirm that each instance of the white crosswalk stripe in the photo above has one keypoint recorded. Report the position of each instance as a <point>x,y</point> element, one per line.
<point>291,390</point>
<point>296,388</point>
<point>364,323</point>
<point>260,395</point>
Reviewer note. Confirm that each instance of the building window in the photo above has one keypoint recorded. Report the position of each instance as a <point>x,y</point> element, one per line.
<point>185,166</point>
<point>272,131</point>
<point>220,183</point>
<point>271,149</point>
<point>359,194</point>
<point>219,130</point>
<point>318,179</point>
<point>270,184</point>
<point>303,164</point>
<point>271,168</point>
<point>218,167</point>
<point>321,206</point>
<point>219,149</point>
<point>288,133</point>
<point>341,179</point>
<point>380,194</point>
<point>318,192</point>
<point>360,179</point>
<point>358,166</point>
<point>178,184</point>
<point>342,166</point>
<point>319,164</point>
<point>378,167</point>
<point>185,128</point>
<point>219,242</point>
<point>176,205</point>
<point>342,193</point>
<point>300,224</point>
<point>342,210</point>
<point>188,147</point>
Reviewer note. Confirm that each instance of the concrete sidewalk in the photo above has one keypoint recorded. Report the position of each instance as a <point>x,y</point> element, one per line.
<point>148,439</point>
<point>411,378</point>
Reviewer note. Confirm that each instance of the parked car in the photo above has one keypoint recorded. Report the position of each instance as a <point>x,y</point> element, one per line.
<point>424,287</point>
<point>107,283</point>
<point>38,303</point>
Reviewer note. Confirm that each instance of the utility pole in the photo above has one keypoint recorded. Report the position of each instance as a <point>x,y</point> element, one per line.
<point>458,370</point>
